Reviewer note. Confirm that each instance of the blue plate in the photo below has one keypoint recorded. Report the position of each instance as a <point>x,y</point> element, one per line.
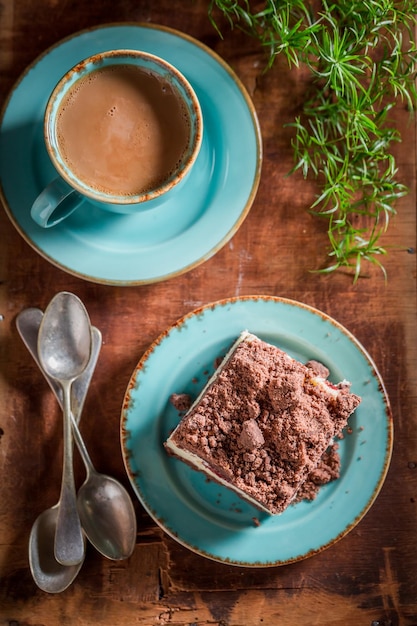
<point>198,217</point>
<point>209,519</point>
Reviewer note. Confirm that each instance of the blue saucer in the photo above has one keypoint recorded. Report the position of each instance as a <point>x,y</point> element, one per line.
<point>206,517</point>
<point>194,222</point>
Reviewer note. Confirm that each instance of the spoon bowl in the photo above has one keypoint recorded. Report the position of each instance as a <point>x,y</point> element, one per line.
<point>105,508</point>
<point>107,516</point>
<point>49,575</point>
<point>64,340</point>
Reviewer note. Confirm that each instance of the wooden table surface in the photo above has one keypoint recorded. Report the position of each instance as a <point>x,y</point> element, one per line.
<point>370,576</point>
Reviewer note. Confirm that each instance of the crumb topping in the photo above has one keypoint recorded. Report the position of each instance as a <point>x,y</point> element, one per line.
<point>265,422</point>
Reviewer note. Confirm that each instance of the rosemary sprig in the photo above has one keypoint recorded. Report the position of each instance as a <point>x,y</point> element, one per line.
<point>362,57</point>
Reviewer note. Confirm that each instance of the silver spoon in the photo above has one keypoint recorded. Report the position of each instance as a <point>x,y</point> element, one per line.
<point>106,510</point>
<point>64,347</point>
<point>48,574</point>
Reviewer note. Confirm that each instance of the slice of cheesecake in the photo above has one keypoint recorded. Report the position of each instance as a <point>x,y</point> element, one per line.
<point>262,423</point>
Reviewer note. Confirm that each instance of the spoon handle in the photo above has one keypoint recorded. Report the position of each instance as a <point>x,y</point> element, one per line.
<point>82,448</point>
<point>69,541</point>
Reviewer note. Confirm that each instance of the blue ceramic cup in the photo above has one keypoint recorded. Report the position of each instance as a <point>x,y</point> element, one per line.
<point>168,120</point>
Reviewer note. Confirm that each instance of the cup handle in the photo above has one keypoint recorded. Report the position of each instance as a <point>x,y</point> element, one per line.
<point>55,203</point>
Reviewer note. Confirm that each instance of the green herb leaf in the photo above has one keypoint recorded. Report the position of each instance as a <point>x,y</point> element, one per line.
<point>362,57</point>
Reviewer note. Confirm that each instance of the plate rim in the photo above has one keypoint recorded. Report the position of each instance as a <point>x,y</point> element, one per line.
<point>243,211</point>
<point>180,322</point>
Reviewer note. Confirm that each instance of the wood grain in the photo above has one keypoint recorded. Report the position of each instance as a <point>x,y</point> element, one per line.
<point>369,577</point>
